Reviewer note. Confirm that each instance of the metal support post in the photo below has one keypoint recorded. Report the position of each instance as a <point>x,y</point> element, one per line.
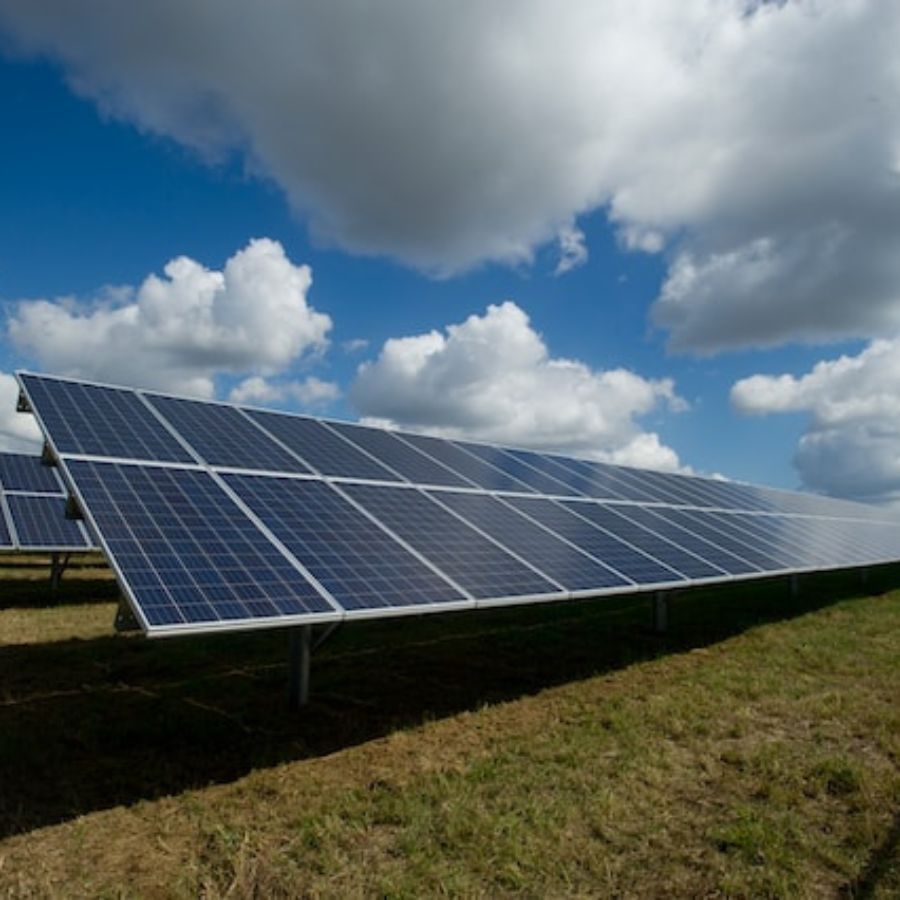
<point>660,612</point>
<point>301,653</point>
<point>795,586</point>
<point>864,576</point>
<point>55,572</point>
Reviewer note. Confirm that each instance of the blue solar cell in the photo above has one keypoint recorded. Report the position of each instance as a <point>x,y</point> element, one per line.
<point>681,491</point>
<point>618,555</point>
<point>98,421</point>
<point>712,552</point>
<point>20,472</point>
<point>223,436</point>
<point>188,553</point>
<point>608,518</point>
<point>471,467</point>
<point>700,523</point>
<point>470,559</point>
<point>6,542</point>
<point>561,561</point>
<point>578,483</point>
<point>412,464</point>
<point>519,469</point>
<point>40,522</point>
<point>321,448</point>
<point>362,566</point>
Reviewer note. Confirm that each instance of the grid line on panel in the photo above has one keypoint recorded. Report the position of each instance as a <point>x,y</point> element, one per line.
<point>563,562</point>
<point>222,436</point>
<point>654,545</point>
<point>40,521</point>
<point>21,472</point>
<point>402,457</point>
<point>455,548</point>
<point>360,564</point>
<point>186,551</point>
<point>610,550</point>
<point>90,420</point>
<point>325,451</point>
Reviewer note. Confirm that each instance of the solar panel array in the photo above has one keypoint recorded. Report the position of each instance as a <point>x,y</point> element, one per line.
<point>32,508</point>
<point>216,516</point>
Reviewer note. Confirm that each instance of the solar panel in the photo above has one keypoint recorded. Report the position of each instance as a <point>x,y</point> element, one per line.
<point>387,448</point>
<point>359,563</point>
<point>89,420</point>
<point>518,469</point>
<point>223,436</point>
<point>562,561</point>
<point>475,470</point>
<point>321,448</point>
<point>219,517</point>
<point>629,561</point>
<point>613,522</point>
<point>20,472</point>
<point>484,569</point>
<point>40,523</point>
<point>187,553</point>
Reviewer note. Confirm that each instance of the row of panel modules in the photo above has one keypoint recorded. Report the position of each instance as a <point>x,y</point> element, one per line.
<point>215,516</point>
<point>32,509</point>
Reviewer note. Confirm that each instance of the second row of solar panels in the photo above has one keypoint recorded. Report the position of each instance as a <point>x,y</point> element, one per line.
<point>196,549</point>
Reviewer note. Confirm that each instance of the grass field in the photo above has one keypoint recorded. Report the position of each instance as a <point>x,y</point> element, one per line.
<point>563,750</point>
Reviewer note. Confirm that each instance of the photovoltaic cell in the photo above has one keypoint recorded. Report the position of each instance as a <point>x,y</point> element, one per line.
<point>327,452</point>
<point>6,542</point>
<point>188,554</point>
<point>41,523</point>
<point>20,472</point>
<point>400,456</point>
<point>223,436</point>
<point>471,467</point>
<point>627,560</point>
<point>98,421</point>
<point>561,561</point>
<point>361,565</point>
<point>608,518</point>
<point>471,560</point>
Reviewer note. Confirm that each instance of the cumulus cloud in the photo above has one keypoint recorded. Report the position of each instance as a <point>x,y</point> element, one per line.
<point>178,331</point>
<point>851,446</point>
<point>758,144</point>
<point>19,432</point>
<point>491,377</point>
<point>310,392</point>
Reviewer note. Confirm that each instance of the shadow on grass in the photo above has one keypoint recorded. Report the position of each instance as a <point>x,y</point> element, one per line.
<point>26,585</point>
<point>86,725</point>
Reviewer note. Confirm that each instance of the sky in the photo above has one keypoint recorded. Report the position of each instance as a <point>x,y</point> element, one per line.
<point>656,234</point>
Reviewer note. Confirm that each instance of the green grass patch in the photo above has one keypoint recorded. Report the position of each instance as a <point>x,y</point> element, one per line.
<point>564,750</point>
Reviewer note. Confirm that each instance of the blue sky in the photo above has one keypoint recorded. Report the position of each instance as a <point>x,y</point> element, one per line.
<point>694,288</point>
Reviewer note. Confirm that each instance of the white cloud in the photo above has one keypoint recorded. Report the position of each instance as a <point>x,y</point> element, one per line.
<point>573,251</point>
<point>177,332</point>
<point>355,345</point>
<point>758,142</point>
<point>851,446</point>
<point>492,378</point>
<point>310,392</point>
<point>19,432</point>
